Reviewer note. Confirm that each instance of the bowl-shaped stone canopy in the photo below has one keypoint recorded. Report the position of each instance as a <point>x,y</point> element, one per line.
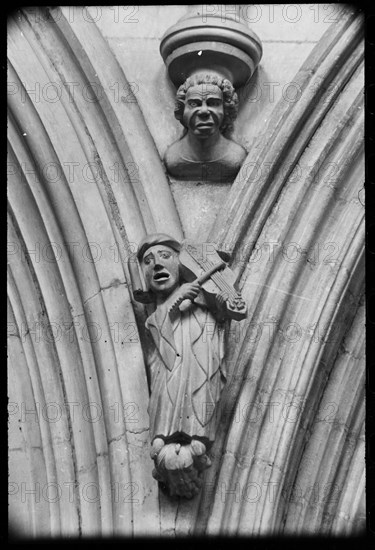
<point>195,44</point>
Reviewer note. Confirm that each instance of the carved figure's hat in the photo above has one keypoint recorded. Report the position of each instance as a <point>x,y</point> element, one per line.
<point>157,238</point>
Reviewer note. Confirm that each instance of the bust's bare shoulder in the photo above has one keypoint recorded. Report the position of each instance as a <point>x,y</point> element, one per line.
<point>174,151</point>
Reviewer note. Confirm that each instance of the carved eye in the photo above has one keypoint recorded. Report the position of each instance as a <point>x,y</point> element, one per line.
<point>193,104</point>
<point>165,255</point>
<point>214,102</point>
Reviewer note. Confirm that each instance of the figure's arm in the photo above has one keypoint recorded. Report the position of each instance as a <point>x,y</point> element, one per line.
<point>191,290</point>
<point>187,291</point>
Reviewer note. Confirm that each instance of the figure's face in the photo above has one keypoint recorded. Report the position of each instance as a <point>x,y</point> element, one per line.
<point>160,267</point>
<point>204,110</point>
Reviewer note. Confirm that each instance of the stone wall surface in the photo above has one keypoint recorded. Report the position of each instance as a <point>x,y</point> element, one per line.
<point>90,116</point>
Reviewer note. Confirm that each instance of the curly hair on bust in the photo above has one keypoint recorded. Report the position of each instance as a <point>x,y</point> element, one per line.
<point>229,97</point>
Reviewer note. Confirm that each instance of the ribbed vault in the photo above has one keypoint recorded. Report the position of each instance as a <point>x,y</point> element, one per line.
<point>85,184</point>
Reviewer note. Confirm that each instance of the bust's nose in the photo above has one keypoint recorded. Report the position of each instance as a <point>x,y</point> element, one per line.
<point>158,266</point>
<point>203,110</point>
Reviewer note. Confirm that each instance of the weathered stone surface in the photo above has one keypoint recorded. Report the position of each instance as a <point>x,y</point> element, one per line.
<point>86,183</point>
<point>198,203</point>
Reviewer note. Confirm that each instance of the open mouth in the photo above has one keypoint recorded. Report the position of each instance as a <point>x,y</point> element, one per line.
<point>162,276</point>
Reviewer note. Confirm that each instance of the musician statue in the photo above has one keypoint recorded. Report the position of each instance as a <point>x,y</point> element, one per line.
<point>192,292</point>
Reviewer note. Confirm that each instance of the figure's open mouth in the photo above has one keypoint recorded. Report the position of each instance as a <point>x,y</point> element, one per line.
<point>161,276</point>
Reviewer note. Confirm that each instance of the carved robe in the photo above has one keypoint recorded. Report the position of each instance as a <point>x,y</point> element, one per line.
<point>187,373</point>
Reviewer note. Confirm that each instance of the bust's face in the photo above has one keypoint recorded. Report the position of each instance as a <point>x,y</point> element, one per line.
<point>160,267</point>
<point>204,110</point>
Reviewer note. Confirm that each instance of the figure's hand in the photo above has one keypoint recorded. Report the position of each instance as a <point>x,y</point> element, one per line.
<point>190,290</point>
<point>221,298</point>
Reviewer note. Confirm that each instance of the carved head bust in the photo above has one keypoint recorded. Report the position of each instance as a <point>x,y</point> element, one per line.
<point>206,104</point>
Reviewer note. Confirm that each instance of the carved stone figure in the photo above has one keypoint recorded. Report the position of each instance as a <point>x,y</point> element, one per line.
<point>187,365</point>
<point>206,105</point>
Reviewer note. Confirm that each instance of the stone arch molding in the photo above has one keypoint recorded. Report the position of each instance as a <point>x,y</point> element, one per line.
<point>289,456</point>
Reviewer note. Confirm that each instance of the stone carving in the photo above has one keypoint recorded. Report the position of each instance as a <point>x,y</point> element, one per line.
<point>207,59</point>
<point>192,290</point>
<point>206,105</point>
